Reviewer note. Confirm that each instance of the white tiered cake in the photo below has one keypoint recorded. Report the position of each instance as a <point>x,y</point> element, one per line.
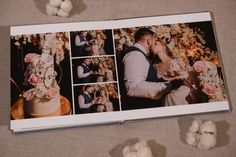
<point>43,98</point>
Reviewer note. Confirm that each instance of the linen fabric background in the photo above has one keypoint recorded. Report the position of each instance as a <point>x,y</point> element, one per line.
<point>165,135</point>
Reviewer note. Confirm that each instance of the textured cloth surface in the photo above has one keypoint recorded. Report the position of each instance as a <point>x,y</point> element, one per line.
<point>165,135</point>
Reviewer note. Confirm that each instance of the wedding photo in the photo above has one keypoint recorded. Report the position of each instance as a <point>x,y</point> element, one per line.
<point>168,65</point>
<point>96,98</point>
<point>95,69</point>
<point>91,43</point>
<point>40,75</point>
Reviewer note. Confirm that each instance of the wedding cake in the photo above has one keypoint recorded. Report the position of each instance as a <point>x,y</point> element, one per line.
<point>43,96</point>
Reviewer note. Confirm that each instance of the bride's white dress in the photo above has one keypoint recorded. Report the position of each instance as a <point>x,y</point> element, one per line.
<point>184,94</point>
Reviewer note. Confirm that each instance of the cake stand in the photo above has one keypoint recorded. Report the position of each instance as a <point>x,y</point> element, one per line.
<point>17,110</point>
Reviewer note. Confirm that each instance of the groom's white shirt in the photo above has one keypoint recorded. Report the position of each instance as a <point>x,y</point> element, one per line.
<point>136,68</point>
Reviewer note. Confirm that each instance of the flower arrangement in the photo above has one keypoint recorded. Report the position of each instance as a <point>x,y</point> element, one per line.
<point>210,82</point>
<point>55,44</point>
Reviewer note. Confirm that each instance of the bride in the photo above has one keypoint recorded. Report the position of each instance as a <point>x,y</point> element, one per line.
<point>104,100</point>
<point>172,68</point>
<point>98,45</point>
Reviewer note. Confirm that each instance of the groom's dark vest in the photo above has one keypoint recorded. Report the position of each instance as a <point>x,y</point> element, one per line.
<point>87,99</point>
<point>138,102</point>
<point>81,49</point>
<point>85,70</point>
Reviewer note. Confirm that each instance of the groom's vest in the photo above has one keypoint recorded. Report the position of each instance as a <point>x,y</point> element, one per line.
<point>85,70</point>
<point>87,99</point>
<point>138,102</point>
<point>81,49</point>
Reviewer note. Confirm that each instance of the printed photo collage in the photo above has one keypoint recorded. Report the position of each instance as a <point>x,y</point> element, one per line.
<point>106,70</point>
<point>65,72</point>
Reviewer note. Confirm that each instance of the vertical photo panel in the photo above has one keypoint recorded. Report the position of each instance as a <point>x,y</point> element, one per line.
<point>40,75</point>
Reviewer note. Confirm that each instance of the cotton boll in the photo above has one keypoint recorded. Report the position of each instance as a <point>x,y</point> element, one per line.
<point>143,150</point>
<point>62,13</point>
<point>55,3</point>
<point>207,141</point>
<point>140,149</point>
<point>195,125</point>
<point>128,151</point>
<point>131,154</point>
<point>208,127</point>
<point>66,6</point>
<point>192,139</point>
<point>51,10</point>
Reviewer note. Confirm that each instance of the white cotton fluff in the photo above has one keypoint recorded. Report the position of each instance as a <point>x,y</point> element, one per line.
<point>66,6</point>
<point>59,7</point>
<point>207,141</point>
<point>51,10</point>
<point>55,3</point>
<point>62,13</point>
<point>143,150</point>
<point>202,134</point>
<point>140,149</point>
<point>195,125</point>
<point>192,139</point>
<point>208,127</point>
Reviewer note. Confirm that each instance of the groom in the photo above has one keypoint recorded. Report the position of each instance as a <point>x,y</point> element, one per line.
<point>142,86</point>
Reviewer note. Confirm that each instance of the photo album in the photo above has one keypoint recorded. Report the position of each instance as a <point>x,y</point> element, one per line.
<point>86,73</point>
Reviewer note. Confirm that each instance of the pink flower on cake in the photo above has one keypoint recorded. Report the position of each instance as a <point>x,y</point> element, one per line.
<point>31,58</point>
<point>34,79</point>
<point>209,89</point>
<point>199,66</point>
<point>29,96</point>
<point>51,93</point>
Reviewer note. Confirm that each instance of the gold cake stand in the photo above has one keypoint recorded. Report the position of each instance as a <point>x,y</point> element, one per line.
<point>17,110</point>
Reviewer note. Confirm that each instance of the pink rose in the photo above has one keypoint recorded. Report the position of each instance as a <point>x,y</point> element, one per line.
<point>29,96</point>
<point>31,58</point>
<point>34,79</point>
<point>209,89</point>
<point>51,93</point>
<point>200,66</point>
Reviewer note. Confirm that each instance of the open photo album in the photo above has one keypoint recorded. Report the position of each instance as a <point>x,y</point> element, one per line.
<point>85,73</point>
